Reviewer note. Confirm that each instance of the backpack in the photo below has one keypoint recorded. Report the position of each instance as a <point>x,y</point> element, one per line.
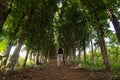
<point>60,51</point>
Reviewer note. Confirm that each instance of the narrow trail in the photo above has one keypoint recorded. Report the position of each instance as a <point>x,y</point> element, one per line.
<point>51,72</point>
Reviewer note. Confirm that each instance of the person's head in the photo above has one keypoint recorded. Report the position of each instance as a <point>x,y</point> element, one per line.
<point>60,45</point>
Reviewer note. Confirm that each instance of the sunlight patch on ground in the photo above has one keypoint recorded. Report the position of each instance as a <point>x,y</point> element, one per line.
<point>74,67</point>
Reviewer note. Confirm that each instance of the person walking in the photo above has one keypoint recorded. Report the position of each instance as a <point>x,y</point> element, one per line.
<point>60,53</point>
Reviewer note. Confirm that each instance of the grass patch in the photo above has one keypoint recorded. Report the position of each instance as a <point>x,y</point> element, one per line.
<point>115,70</point>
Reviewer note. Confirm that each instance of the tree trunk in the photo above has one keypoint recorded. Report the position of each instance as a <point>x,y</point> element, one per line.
<point>41,57</point>
<point>116,26</point>
<point>74,54</point>
<point>30,57</point>
<point>85,57</point>
<point>104,52</point>
<point>34,57</point>
<point>37,58</point>
<point>14,57</point>
<point>100,34</point>
<point>92,52</point>
<point>5,11</point>
<point>8,52</point>
<point>47,54</point>
<point>3,5</point>
<point>70,55</point>
<point>25,61</point>
<point>84,48</point>
<point>79,55</point>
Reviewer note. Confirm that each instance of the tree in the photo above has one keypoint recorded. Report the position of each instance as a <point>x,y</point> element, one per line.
<point>15,56</point>
<point>94,12</point>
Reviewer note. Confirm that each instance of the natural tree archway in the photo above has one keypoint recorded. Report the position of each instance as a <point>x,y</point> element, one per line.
<point>41,25</point>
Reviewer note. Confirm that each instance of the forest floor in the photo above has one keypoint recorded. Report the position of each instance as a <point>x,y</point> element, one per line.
<point>51,72</point>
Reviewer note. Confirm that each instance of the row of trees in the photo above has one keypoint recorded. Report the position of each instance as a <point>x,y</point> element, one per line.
<point>41,25</point>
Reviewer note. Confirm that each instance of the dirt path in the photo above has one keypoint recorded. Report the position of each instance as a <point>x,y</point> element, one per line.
<point>51,72</point>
